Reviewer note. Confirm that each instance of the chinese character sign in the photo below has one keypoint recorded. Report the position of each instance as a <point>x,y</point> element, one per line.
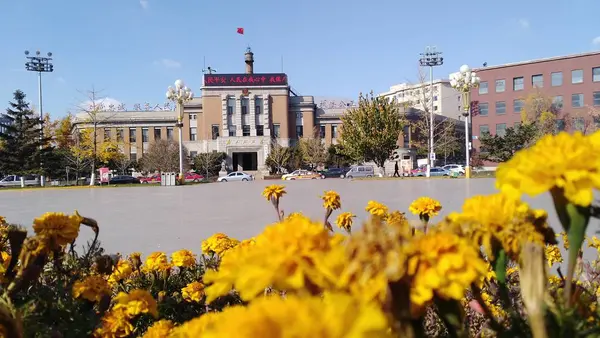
<point>245,80</point>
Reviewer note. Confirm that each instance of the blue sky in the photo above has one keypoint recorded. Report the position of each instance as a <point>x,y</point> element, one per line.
<point>132,50</point>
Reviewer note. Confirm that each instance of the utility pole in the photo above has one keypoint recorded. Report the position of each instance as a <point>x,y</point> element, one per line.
<point>431,58</point>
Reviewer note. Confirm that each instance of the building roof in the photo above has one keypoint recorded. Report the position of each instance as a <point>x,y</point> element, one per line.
<point>406,86</point>
<point>521,63</point>
<point>120,116</point>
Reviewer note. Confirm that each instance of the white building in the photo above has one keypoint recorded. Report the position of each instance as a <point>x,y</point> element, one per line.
<point>446,100</point>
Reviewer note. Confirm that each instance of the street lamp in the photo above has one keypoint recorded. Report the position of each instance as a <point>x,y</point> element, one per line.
<point>180,94</point>
<point>464,81</point>
<point>39,64</point>
<point>431,58</point>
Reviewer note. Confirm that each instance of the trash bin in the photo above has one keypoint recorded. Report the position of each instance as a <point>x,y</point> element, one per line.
<point>454,174</point>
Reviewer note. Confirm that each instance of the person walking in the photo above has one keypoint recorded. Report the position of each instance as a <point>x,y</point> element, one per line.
<point>396,173</point>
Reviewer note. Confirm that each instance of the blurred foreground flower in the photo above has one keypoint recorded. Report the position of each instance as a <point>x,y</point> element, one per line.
<point>160,329</point>
<point>553,254</point>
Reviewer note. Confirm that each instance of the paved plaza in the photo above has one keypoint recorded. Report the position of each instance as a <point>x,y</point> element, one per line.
<point>146,219</point>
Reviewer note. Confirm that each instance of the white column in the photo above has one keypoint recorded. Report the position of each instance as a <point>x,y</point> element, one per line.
<point>252,118</point>
<point>224,116</point>
<point>238,116</point>
<point>266,113</point>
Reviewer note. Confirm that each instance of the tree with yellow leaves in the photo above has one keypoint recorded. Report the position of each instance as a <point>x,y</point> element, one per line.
<point>540,109</point>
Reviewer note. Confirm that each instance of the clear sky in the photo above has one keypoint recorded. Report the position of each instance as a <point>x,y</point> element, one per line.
<point>132,50</point>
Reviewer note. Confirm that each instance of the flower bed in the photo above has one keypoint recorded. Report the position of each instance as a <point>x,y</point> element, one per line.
<point>480,271</point>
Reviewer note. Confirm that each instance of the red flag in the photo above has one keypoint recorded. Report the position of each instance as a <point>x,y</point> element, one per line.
<point>240,30</point>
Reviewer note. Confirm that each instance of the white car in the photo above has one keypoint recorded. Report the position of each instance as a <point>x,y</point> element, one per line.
<point>236,176</point>
<point>460,169</point>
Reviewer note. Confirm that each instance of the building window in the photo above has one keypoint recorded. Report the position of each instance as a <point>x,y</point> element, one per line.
<point>435,98</point>
<point>597,122</point>
<point>246,130</point>
<point>483,87</point>
<point>258,106</point>
<point>518,105</point>
<point>484,129</point>
<point>157,134</point>
<point>577,76</point>
<point>596,98</point>
<point>435,108</point>
<point>276,128</point>
<point>560,125</point>
<point>144,135</point>
<point>483,108</point>
<point>299,131</point>
<point>334,131</point>
<point>596,74</point>
<point>406,137</point>
<point>500,107</point>
<point>245,102</point>
<point>537,80</point>
<point>259,130</point>
<point>557,102</point>
<point>501,129</point>
<point>133,157</point>
<point>500,86</point>
<point>169,133</point>
<point>193,117</point>
<point>556,79</point>
<point>106,134</point>
<point>518,83</point>
<point>132,135</point>
<point>231,130</point>
<point>244,110</point>
<point>579,124</point>
<point>577,100</point>
<point>193,154</point>
<point>192,133</point>
<point>231,106</point>
<point>322,131</point>
<point>120,136</point>
<point>214,131</point>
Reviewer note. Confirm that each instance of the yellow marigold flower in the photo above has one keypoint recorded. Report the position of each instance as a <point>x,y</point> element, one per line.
<point>425,207</point>
<point>136,302</point>
<point>444,265</point>
<point>135,259</point>
<point>512,270</point>
<point>594,243</point>
<point>183,258</point>
<point>396,217</point>
<point>274,192</point>
<point>377,209</point>
<point>487,219</point>
<point>565,161</point>
<point>335,316</point>
<point>565,239</point>
<point>218,244</point>
<point>115,323</point>
<point>294,247</point>
<point>299,215</point>
<point>247,242</point>
<point>555,280</point>
<point>91,288</point>
<point>344,221</point>
<point>157,261</point>
<point>193,292</point>
<point>3,221</point>
<point>160,329</point>
<point>331,200</point>
<point>195,327</point>
<point>60,228</point>
<point>553,254</point>
<point>5,261</point>
<point>121,271</point>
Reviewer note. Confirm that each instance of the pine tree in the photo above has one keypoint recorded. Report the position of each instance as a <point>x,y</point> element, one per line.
<point>20,136</point>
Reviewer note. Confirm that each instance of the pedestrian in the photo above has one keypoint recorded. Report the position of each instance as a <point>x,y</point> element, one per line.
<point>396,173</point>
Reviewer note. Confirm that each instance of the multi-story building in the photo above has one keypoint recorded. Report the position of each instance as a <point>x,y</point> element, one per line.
<point>446,100</point>
<point>572,82</point>
<point>238,114</point>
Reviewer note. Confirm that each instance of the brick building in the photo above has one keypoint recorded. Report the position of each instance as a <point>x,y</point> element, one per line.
<point>572,82</point>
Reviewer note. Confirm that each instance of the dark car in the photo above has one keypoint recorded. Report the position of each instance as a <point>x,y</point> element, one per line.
<point>332,173</point>
<point>124,179</point>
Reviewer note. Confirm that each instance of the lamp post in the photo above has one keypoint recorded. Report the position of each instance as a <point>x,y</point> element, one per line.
<point>180,94</point>
<point>431,58</point>
<point>464,81</point>
<point>39,64</point>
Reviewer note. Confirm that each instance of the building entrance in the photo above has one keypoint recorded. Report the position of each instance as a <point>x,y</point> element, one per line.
<point>247,161</point>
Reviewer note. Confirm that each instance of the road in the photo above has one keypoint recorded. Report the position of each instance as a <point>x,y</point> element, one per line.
<point>154,218</point>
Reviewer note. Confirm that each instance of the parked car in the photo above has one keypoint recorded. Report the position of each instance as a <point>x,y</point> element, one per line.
<point>150,179</point>
<point>124,179</point>
<point>193,177</point>
<point>235,176</point>
<point>360,171</point>
<point>304,175</point>
<point>15,180</point>
<point>455,168</point>
<point>434,172</point>
<point>293,173</point>
<point>333,173</point>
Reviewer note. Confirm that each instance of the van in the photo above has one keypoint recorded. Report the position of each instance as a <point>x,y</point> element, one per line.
<point>15,181</point>
<point>360,171</point>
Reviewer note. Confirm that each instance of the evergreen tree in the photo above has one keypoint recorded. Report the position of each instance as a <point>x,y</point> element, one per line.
<point>20,136</point>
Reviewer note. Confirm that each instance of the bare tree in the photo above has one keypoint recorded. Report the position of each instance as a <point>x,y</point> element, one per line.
<point>209,163</point>
<point>448,141</point>
<point>163,156</point>
<point>313,149</point>
<point>279,157</point>
<point>585,120</point>
<point>123,163</point>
